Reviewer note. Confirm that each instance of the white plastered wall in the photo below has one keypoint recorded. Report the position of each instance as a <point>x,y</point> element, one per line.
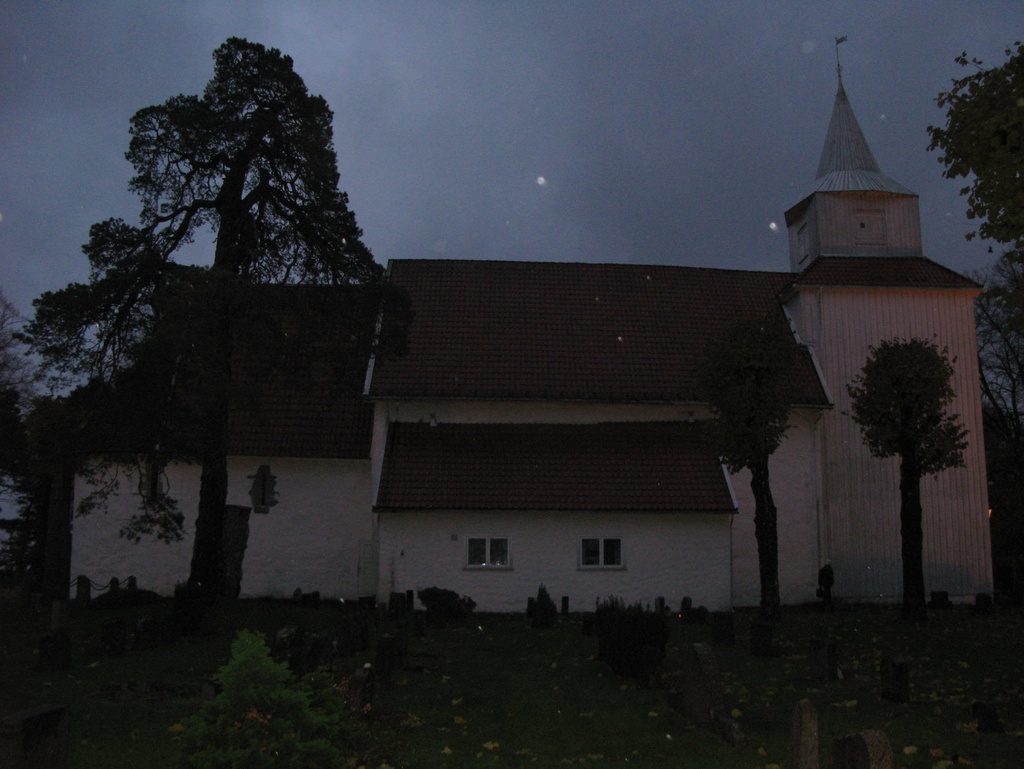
<point>665,555</point>
<point>311,539</point>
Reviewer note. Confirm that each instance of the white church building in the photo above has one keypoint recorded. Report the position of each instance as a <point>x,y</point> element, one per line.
<point>544,428</point>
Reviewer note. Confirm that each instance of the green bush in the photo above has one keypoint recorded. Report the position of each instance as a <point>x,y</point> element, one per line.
<point>264,718</point>
<point>444,605</point>
<point>544,610</point>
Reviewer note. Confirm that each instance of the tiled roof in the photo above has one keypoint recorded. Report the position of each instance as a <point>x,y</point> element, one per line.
<point>622,467</point>
<point>881,271</point>
<point>548,330</point>
<point>298,372</point>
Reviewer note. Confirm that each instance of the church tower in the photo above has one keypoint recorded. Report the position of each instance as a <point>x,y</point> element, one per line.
<point>853,209</point>
<point>861,278</point>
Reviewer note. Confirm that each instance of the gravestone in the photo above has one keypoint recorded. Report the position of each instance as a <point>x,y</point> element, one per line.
<point>803,737</point>
<point>310,600</point>
<point>35,739</point>
<point>982,604</point>
<point>147,633</point>
<point>58,613</point>
<point>723,628</point>
<point>55,651</point>
<point>387,659</point>
<point>895,679</point>
<point>83,590</point>
<point>114,636</point>
<point>867,750</point>
<point>762,633</point>
<point>824,660</point>
<point>698,694</point>
<point>939,600</point>
<point>362,687</point>
<point>987,717</point>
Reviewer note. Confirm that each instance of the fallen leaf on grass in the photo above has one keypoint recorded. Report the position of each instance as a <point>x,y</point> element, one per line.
<point>176,729</point>
<point>457,701</point>
<point>909,750</point>
<point>937,753</point>
<point>447,751</point>
<point>652,714</point>
<point>736,713</point>
<point>460,720</point>
<point>761,751</point>
<point>491,745</point>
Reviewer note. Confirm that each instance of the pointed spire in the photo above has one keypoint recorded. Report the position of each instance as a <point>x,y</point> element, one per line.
<point>846,162</point>
<point>845,148</point>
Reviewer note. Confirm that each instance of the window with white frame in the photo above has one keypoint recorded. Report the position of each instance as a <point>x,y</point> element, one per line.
<point>487,552</point>
<point>601,553</point>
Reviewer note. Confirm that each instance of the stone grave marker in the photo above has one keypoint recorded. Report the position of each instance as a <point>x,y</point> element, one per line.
<point>895,679</point>
<point>147,633</point>
<point>987,717</point>
<point>55,651</point>
<point>723,628</point>
<point>939,600</point>
<point>762,635</point>
<point>803,737</point>
<point>35,739</point>
<point>387,659</point>
<point>83,590</point>
<point>362,687</point>
<point>866,750</point>
<point>982,604</point>
<point>824,659</point>
<point>114,636</point>
<point>699,693</point>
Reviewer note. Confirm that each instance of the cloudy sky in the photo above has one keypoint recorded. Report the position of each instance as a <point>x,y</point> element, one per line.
<point>659,132</point>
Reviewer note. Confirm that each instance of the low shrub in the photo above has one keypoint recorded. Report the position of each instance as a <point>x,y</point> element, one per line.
<point>264,717</point>
<point>545,613</point>
<point>631,640</point>
<point>445,605</point>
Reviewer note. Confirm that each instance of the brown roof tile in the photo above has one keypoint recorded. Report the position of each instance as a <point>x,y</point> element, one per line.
<point>649,467</point>
<point>549,330</point>
<point>881,272</point>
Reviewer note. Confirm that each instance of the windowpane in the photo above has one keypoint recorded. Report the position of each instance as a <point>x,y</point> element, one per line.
<point>477,552</point>
<point>613,552</point>
<point>591,552</point>
<point>499,552</point>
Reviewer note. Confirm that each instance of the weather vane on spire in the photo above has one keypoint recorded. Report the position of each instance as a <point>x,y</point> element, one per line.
<point>839,67</point>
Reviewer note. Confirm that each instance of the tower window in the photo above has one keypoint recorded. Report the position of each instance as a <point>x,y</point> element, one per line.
<point>869,227</point>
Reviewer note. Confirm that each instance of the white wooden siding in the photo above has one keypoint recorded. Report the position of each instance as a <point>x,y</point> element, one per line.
<point>860,494</point>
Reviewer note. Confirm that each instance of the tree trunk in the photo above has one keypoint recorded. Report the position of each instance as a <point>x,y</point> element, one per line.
<point>207,568</point>
<point>767,533</point>
<point>912,536</point>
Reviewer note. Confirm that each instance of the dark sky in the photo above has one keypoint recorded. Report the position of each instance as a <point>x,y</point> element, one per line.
<point>671,133</point>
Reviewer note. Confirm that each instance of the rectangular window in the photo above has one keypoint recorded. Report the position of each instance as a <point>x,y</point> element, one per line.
<point>487,552</point>
<point>596,553</point>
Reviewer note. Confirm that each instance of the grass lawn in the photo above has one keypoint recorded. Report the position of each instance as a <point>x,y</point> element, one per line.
<point>494,692</point>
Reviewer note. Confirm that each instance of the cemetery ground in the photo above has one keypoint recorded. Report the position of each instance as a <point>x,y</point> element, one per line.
<point>493,691</point>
